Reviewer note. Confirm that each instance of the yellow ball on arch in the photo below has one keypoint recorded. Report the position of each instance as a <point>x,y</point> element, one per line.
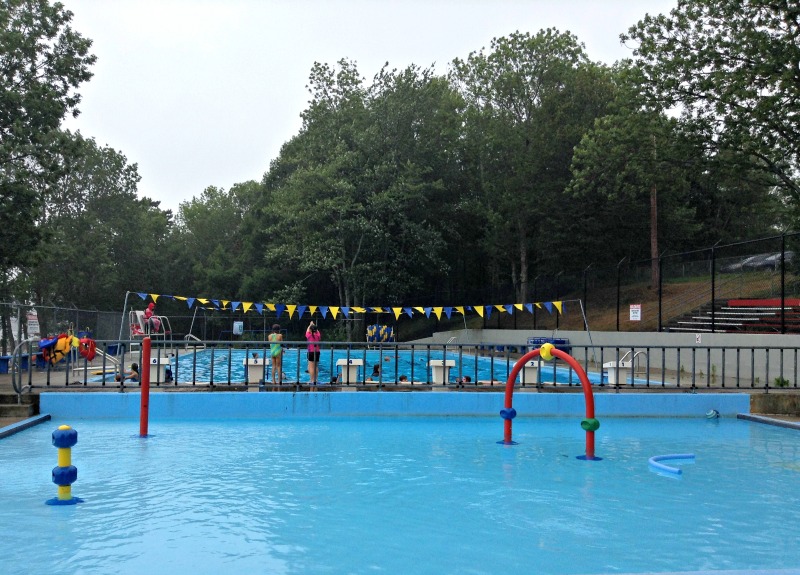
<point>545,352</point>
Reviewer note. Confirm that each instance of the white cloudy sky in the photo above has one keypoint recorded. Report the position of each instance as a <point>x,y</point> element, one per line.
<point>203,93</point>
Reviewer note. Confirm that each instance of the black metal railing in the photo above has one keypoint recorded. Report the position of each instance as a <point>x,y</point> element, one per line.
<point>408,366</point>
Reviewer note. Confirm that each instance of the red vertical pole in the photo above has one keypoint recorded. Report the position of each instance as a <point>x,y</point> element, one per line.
<point>144,375</point>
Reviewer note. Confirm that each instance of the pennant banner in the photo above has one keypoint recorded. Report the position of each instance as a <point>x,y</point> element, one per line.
<point>335,311</point>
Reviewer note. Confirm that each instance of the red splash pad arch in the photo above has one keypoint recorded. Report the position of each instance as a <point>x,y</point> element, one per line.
<point>590,424</point>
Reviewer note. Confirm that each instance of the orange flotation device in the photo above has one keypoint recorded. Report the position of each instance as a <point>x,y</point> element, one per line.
<point>57,348</point>
<point>87,348</point>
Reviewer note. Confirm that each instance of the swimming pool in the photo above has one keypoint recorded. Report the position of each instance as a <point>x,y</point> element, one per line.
<point>414,365</point>
<point>403,495</point>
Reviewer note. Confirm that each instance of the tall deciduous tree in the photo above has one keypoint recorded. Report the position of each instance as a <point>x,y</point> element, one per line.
<point>209,237</point>
<point>101,239</point>
<point>359,196</point>
<point>732,68</point>
<point>531,99</point>
<point>42,63</point>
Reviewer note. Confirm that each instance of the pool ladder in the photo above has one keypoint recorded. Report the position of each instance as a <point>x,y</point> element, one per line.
<point>634,362</point>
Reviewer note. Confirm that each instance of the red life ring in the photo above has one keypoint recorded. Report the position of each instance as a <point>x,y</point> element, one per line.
<point>87,348</point>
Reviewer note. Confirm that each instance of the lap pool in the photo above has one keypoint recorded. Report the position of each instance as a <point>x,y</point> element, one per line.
<point>399,495</point>
<point>228,365</point>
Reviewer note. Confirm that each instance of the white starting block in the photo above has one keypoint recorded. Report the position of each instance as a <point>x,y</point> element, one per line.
<point>157,367</point>
<point>618,371</point>
<point>255,369</point>
<point>349,368</point>
<point>440,370</point>
<point>530,372</point>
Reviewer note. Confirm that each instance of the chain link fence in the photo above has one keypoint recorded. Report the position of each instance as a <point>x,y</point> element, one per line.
<point>677,291</point>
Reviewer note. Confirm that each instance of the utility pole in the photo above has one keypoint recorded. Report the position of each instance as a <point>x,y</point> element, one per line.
<point>654,259</point>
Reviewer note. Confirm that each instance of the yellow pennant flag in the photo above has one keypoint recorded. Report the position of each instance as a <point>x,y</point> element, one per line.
<point>154,296</point>
<point>180,298</point>
<point>246,305</point>
<point>420,309</point>
<point>499,308</point>
<point>270,306</point>
<point>518,306</point>
<point>334,311</point>
<point>537,304</point>
<point>558,305</point>
<point>478,309</point>
<point>291,308</point>
<point>203,300</point>
<point>397,311</point>
<point>359,309</point>
<point>225,303</point>
<point>438,312</point>
<point>460,309</point>
<point>312,309</point>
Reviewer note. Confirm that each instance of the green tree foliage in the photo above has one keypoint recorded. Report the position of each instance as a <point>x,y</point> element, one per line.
<point>361,196</point>
<point>42,63</point>
<point>731,67</point>
<point>628,160</point>
<point>101,239</point>
<point>531,98</point>
<point>208,242</point>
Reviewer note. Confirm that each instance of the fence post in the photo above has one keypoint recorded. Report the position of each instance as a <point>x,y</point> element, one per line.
<point>585,307</point>
<point>618,289</point>
<point>783,283</point>
<point>660,290</point>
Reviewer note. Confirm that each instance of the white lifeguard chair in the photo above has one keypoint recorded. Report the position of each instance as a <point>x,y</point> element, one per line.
<point>140,327</point>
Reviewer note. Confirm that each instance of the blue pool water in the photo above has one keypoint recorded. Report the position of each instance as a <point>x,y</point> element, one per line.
<point>197,366</point>
<point>403,495</point>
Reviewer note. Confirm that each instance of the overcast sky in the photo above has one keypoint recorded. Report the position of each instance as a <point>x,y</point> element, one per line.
<point>204,93</point>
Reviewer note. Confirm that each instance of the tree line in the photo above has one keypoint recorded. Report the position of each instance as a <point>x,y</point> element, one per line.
<point>417,187</point>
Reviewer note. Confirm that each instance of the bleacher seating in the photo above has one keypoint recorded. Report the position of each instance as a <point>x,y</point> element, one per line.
<point>743,316</point>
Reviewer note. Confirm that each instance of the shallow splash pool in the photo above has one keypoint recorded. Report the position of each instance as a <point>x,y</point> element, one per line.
<point>414,365</point>
<point>403,495</point>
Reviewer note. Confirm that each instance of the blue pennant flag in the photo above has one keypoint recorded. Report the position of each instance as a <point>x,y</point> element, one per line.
<point>279,309</point>
<point>142,295</point>
<point>259,308</point>
<point>448,311</point>
<point>488,309</point>
<point>408,311</point>
<point>509,308</point>
<point>215,302</point>
<point>234,305</point>
<point>190,302</point>
<point>323,309</point>
<point>549,306</point>
<point>428,311</point>
<point>301,309</point>
<point>346,311</point>
<point>529,307</point>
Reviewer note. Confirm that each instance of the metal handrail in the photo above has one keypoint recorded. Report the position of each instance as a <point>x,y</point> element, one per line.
<point>190,337</point>
<point>18,388</point>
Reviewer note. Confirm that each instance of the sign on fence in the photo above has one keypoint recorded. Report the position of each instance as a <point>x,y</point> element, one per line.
<point>636,312</point>
<point>33,324</point>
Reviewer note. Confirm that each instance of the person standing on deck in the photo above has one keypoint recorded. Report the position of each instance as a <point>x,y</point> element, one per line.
<point>313,335</point>
<point>276,354</point>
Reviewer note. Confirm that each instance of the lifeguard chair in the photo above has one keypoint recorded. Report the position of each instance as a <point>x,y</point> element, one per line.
<point>141,327</point>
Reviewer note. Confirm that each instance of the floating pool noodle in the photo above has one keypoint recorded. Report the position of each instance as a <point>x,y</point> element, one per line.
<point>655,462</point>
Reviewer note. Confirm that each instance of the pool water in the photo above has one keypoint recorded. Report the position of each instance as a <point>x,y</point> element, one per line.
<point>414,366</point>
<point>403,495</point>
